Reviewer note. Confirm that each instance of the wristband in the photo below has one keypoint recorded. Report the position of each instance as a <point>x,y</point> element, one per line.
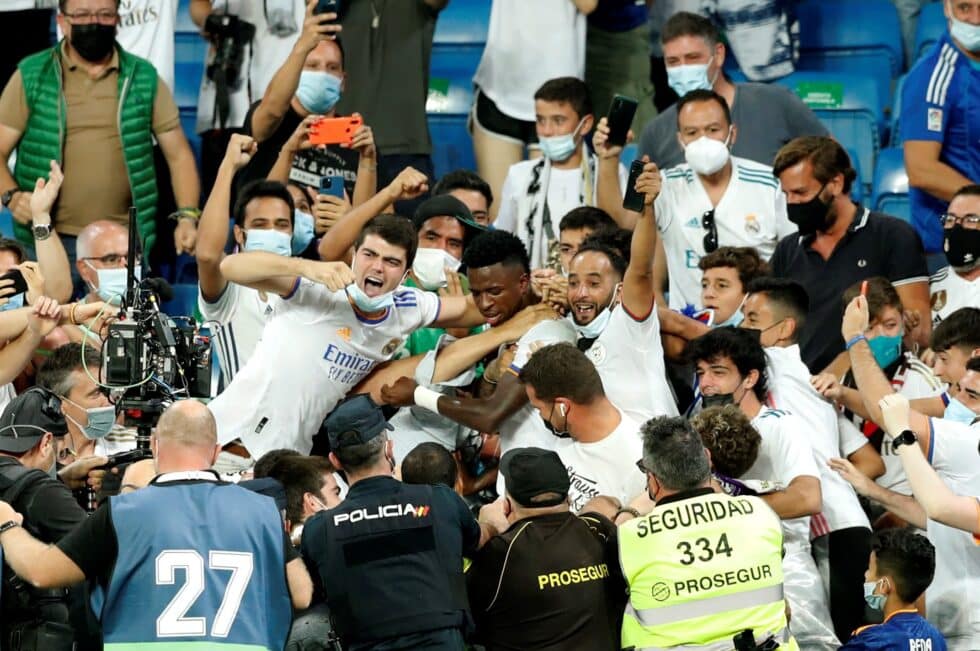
<point>427,398</point>
<point>853,340</point>
<point>186,213</point>
<point>71,314</point>
<point>626,509</point>
<point>8,525</point>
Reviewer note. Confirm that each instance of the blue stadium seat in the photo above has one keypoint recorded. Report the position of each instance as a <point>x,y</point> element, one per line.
<point>6,223</point>
<point>452,147</point>
<point>844,36</point>
<point>448,104</point>
<point>184,302</point>
<point>891,184</point>
<point>184,22</point>
<point>849,105</point>
<point>857,189</point>
<point>188,121</point>
<point>463,22</point>
<point>894,126</point>
<point>931,27</point>
<point>189,53</point>
<point>629,154</point>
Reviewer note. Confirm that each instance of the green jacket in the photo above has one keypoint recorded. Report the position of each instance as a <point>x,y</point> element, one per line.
<point>44,137</point>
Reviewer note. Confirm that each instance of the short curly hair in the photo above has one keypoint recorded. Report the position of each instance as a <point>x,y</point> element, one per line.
<point>729,435</point>
<point>908,558</point>
<point>496,247</point>
<point>743,259</point>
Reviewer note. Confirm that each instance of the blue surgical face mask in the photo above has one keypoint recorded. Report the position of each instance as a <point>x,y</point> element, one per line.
<point>303,232</point>
<point>268,240</point>
<point>100,420</point>
<point>367,303</point>
<point>875,602</point>
<point>966,34</point>
<point>560,148</point>
<point>112,283</point>
<point>318,92</point>
<point>691,76</point>
<point>734,321</point>
<point>597,326</point>
<point>886,349</point>
<point>957,412</point>
<point>13,303</point>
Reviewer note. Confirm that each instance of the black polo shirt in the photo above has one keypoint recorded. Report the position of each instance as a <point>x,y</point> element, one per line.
<point>874,245</point>
<point>550,582</point>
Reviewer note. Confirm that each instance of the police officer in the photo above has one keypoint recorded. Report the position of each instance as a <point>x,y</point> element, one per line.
<point>186,559</point>
<point>390,556</point>
<point>702,567</point>
<point>30,618</point>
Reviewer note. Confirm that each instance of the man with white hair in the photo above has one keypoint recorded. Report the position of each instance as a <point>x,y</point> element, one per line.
<point>101,255</point>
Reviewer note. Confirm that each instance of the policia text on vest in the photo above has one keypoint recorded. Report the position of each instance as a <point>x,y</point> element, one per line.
<point>701,568</point>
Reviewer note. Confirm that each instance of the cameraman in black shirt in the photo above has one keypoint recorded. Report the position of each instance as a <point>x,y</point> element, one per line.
<point>552,580</point>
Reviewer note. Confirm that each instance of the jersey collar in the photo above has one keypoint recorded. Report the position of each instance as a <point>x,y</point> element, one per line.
<point>186,475</point>
<point>683,495</point>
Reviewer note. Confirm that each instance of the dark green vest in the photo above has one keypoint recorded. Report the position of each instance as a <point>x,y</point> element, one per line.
<point>44,137</point>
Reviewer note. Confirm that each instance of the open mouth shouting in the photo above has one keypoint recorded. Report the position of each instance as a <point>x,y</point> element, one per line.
<point>373,285</point>
<point>584,312</point>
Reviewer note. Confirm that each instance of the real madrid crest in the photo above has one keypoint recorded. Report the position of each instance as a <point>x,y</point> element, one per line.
<point>752,224</point>
<point>596,353</point>
<point>938,300</point>
<point>391,346</point>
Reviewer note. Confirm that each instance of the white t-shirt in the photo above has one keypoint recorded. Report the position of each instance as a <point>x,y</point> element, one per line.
<point>241,315</point>
<point>566,190</point>
<point>783,456</point>
<point>953,597</point>
<point>529,43</point>
<point>312,352</point>
<point>146,28</point>
<point>526,428</point>
<point>752,212</point>
<point>265,56</point>
<point>630,360</point>
<point>790,390</point>
<point>949,292</point>
<point>606,467</point>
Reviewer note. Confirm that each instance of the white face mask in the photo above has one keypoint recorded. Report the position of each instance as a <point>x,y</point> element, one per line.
<point>707,155</point>
<point>430,266</point>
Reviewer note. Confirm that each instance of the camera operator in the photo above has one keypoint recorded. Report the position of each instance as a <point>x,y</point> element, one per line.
<point>247,46</point>
<point>137,546</point>
<point>29,430</point>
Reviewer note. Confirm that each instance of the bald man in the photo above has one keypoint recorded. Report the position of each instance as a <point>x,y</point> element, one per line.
<point>100,262</point>
<point>185,533</point>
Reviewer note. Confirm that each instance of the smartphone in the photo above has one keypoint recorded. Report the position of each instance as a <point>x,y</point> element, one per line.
<point>332,186</point>
<point>327,7</point>
<point>334,131</point>
<point>633,200</point>
<point>20,285</point>
<point>620,117</point>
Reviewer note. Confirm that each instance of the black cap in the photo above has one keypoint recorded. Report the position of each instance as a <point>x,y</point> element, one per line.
<point>446,205</point>
<point>28,417</point>
<point>530,472</point>
<point>355,422</point>
<point>267,486</point>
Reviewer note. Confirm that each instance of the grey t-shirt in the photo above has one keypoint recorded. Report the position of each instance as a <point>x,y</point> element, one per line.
<point>387,71</point>
<point>766,116</point>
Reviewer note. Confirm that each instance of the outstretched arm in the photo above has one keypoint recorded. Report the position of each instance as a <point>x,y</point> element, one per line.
<point>638,282</point>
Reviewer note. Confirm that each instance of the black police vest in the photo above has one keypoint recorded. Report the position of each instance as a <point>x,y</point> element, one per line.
<point>390,570</point>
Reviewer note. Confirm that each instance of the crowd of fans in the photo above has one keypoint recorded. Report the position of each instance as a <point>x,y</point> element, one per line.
<point>699,400</point>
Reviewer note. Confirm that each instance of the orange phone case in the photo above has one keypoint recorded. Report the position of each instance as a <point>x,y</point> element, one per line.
<point>334,131</point>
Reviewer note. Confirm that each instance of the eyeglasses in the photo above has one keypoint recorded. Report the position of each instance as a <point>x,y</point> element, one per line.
<point>642,468</point>
<point>950,220</point>
<point>711,237</point>
<point>114,259</point>
<point>105,17</point>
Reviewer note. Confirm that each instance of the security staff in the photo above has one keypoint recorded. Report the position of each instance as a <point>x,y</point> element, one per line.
<point>702,567</point>
<point>390,556</point>
<point>188,559</point>
<point>552,581</point>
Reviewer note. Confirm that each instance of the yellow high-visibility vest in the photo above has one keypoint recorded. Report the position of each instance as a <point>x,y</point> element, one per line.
<point>700,570</point>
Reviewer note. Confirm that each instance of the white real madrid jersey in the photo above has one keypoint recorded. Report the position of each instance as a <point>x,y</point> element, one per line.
<point>949,292</point>
<point>313,351</point>
<point>237,319</point>
<point>752,212</point>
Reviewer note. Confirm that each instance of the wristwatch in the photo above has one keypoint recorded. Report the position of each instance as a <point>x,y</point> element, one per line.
<point>907,437</point>
<point>41,231</point>
<point>9,524</point>
<point>6,197</point>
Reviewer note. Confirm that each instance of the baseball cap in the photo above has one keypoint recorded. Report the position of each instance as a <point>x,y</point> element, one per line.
<point>355,421</point>
<point>530,472</point>
<point>446,205</point>
<point>28,417</point>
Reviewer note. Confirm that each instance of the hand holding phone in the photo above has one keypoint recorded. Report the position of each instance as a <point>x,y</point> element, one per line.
<point>18,286</point>
<point>335,131</point>
<point>621,112</point>
<point>327,7</point>
<point>634,200</point>
<point>332,186</point>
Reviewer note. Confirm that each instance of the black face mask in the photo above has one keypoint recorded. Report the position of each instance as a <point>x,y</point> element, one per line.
<point>812,216</point>
<point>93,41</point>
<point>961,246</point>
<point>717,400</point>
<point>560,433</point>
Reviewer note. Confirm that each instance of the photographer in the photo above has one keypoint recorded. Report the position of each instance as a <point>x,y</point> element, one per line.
<point>138,545</point>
